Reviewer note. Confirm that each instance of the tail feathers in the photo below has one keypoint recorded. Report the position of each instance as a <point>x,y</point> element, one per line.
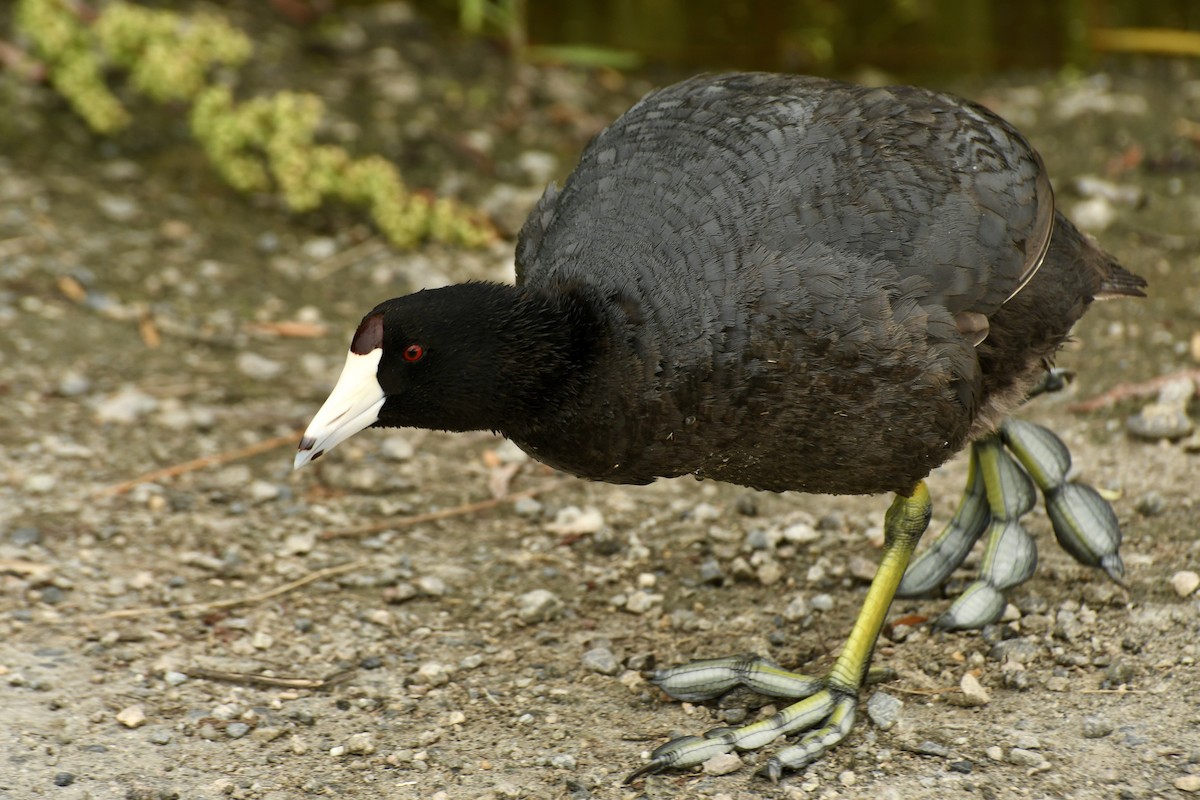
<point>1120,282</point>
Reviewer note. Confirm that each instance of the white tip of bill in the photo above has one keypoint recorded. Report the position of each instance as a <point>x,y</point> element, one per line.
<point>353,405</point>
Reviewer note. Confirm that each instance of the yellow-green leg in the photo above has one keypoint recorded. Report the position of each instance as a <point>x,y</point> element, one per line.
<point>828,704</point>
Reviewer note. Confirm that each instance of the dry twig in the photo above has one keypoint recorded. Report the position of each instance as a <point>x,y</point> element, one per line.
<point>273,681</point>
<point>1124,391</point>
<point>202,463</point>
<point>445,513</point>
<point>231,602</point>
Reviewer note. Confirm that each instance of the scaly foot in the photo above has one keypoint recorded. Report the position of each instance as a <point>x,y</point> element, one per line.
<point>1000,490</point>
<point>828,706</point>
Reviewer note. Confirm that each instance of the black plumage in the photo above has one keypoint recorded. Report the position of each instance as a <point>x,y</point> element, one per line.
<point>755,278</point>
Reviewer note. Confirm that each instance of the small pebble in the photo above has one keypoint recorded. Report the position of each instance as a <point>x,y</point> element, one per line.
<point>722,764</point>
<point>1094,215</point>
<point>995,752</point>
<point>132,717</point>
<point>847,778</point>
<point>25,536</point>
<point>1185,582</point>
<point>1025,758</point>
<point>118,208</point>
<point>431,586</point>
<point>396,448</point>
<point>63,778</point>
<point>601,660</point>
<point>1096,727</point>
<point>573,520</point>
<point>797,609</point>
<point>640,602</point>
<point>884,710</point>
<point>800,533</point>
<point>159,736</point>
<point>236,730</point>
<point>1020,650</point>
<point>261,491</point>
<point>400,593</point>
<point>1188,783</point>
<point>757,539</point>
<point>124,406</point>
<point>1166,417</point>
<point>40,483</point>
<point>528,507</point>
<point>300,543</point>
<point>932,748</point>
<point>973,693</point>
<point>434,674</point>
<point>769,573</point>
<point>962,766</point>
<point>360,744</point>
<point>320,248</point>
<point>173,678</point>
<point>225,711</point>
<point>73,384</point>
<point>711,573</point>
<point>862,568</point>
<point>562,761</point>
<point>258,367</point>
<point>538,605</point>
<point>538,165</point>
<point>1026,741</point>
<point>822,602</point>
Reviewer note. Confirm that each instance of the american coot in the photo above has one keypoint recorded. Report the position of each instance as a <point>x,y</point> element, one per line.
<point>786,283</point>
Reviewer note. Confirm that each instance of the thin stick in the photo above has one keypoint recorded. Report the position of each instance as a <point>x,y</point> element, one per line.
<point>274,681</point>
<point>445,513</point>
<point>925,692</point>
<point>359,252</point>
<point>252,599</point>
<point>202,463</point>
<point>1124,391</point>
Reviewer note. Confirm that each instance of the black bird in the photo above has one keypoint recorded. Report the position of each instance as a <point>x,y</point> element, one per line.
<point>786,283</point>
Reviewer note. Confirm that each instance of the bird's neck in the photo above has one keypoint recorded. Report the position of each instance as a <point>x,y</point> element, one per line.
<point>544,345</point>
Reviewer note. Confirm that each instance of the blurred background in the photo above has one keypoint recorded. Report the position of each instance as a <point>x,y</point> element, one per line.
<point>914,38</point>
<point>199,200</point>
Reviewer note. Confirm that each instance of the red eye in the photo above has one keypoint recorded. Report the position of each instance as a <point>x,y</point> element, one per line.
<point>413,352</point>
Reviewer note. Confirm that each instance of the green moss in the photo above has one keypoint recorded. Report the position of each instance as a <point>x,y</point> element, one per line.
<point>168,56</point>
<point>262,144</point>
<point>271,140</point>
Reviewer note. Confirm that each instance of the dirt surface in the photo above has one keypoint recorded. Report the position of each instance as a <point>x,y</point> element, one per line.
<point>139,311</point>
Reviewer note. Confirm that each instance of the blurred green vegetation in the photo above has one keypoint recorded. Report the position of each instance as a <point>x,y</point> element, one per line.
<point>905,37</point>
<point>262,144</point>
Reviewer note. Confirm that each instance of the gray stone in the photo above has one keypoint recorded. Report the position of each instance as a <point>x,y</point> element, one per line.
<point>601,660</point>
<point>1025,758</point>
<point>1096,727</point>
<point>884,710</point>
<point>538,605</point>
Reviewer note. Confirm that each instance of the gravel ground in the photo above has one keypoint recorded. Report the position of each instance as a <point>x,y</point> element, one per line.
<point>235,630</point>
